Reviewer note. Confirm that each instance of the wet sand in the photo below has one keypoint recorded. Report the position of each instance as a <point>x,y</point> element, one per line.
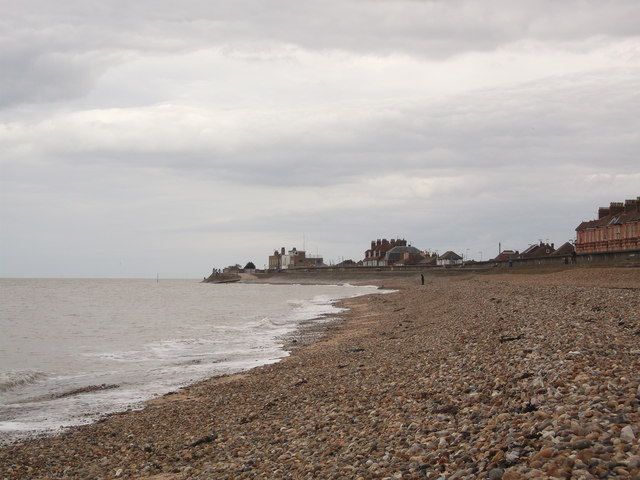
<point>476,376</point>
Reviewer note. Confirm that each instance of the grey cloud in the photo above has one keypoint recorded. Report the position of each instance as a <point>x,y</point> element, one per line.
<point>581,120</point>
<point>29,77</point>
<point>50,49</point>
<point>434,28</point>
<point>584,120</point>
<point>368,25</point>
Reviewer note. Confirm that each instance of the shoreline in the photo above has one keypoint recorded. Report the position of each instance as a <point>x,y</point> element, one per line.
<point>499,376</point>
<point>305,331</point>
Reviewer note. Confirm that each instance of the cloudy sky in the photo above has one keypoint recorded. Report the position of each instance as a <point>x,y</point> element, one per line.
<point>163,137</point>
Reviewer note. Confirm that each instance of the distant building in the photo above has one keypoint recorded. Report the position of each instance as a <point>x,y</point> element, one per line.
<point>375,256</point>
<point>294,258</point>
<point>538,250</point>
<point>449,258</point>
<point>404,255</point>
<point>275,260</point>
<point>566,248</point>
<point>505,255</point>
<point>617,228</point>
<point>430,259</point>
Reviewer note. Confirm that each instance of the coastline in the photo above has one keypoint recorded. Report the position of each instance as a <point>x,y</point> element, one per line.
<point>492,376</point>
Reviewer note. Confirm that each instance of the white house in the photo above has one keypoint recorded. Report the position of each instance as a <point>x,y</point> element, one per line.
<point>449,258</point>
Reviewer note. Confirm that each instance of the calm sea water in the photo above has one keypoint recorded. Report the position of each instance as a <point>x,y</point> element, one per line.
<point>137,339</point>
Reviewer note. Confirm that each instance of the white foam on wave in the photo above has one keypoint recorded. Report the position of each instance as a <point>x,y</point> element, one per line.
<point>15,379</point>
<point>122,356</point>
<point>12,426</point>
<point>268,323</point>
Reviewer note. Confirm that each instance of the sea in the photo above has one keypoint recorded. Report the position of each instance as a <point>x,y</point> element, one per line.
<point>75,350</point>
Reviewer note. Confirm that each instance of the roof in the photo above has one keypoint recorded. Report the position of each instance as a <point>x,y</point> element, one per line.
<point>449,256</point>
<point>565,249</point>
<point>396,253</point>
<point>429,261</point>
<point>506,255</point>
<point>538,250</point>
<point>614,219</point>
<point>401,249</point>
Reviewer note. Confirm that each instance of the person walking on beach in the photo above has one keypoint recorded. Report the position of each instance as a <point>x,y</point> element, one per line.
<point>422,278</point>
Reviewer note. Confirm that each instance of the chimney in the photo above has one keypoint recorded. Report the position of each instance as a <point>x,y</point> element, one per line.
<point>603,212</point>
<point>615,208</point>
<point>631,206</point>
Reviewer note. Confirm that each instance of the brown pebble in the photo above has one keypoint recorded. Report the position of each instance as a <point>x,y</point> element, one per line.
<point>544,453</point>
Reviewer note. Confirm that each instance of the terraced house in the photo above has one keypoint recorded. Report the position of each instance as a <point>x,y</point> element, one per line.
<point>376,255</point>
<point>616,229</point>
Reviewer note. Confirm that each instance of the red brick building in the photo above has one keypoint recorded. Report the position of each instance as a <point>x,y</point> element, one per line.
<point>538,250</point>
<point>617,228</point>
<point>375,256</point>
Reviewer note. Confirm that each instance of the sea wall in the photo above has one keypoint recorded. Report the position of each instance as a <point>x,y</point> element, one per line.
<point>621,258</point>
<point>624,258</point>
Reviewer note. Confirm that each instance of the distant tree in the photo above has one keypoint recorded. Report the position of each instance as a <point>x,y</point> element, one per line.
<point>347,263</point>
<point>250,266</point>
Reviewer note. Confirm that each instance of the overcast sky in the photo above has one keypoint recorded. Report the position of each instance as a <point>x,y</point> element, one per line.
<point>161,137</point>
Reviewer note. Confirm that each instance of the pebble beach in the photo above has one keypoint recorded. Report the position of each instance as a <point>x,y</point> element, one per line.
<point>490,376</point>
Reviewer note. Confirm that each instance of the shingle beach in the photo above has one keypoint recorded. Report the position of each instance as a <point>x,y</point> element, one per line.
<point>508,376</point>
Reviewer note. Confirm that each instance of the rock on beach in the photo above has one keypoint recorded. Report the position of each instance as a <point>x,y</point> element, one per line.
<point>505,376</point>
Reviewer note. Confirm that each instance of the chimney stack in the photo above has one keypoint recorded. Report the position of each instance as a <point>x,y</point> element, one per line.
<point>615,208</point>
<point>631,205</point>
<point>603,212</point>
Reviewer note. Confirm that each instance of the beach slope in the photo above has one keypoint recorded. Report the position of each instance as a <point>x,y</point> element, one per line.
<point>489,376</point>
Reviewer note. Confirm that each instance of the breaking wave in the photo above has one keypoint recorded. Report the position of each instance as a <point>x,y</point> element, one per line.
<point>12,380</point>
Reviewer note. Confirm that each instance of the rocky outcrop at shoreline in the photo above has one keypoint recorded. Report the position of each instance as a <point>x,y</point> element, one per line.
<point>498,377</point>
<point>216,277</point>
